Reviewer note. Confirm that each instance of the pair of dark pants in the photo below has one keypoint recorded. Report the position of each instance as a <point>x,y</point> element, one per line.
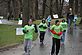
<point>42,34</point>
<point>48,24</point>
<point>55,42</point>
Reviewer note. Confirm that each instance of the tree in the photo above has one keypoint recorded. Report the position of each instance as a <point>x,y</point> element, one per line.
<point>30,10</point>
<point>76,7</point>
<point>71,2</point>
<point>25,11</point>
<point>56,6</point>
<point>9,10</point>
<point>21,5</point>
<point>81,10</point>
<point>51,8</point>
<point>16,10</point>
<point>59,7</point>
<point>44,6</point>
<point>14,7</point>
<point>36,9</point>
<point>61,2</point>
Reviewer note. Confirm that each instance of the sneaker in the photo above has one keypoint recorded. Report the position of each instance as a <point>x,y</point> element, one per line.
<point>25,53</point>
<point>41,44</point>
<point>51,54</point>
<point>28,54</point>
<point>62,43</point>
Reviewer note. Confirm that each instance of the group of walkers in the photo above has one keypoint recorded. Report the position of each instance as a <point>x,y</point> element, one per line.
<point>58,30</point>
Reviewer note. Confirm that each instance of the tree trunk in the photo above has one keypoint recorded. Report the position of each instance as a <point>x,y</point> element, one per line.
<point>51,8</point>
<point>80,8</point>
<point>44,6</point>
<point>71,5</point>
<point>61,8</point>
<point>76,6</point>
<point>57,6</point>
<point>25,11</point>
<point>71,2</point>
<point>36,9</point>
<point>21,5</point>
<point>9,9</point>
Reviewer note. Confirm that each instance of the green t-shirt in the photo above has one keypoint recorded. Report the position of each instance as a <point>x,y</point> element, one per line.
<point>64,25</point>
<point>42,28</point>
<point>57,29</point>
<point>29,34</point>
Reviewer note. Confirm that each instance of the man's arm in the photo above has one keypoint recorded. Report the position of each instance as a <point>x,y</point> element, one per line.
<point>35,26</point>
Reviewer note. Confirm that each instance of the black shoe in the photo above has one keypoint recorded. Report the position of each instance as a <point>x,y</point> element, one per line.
<point>52,54</point>
<point>41,44</point>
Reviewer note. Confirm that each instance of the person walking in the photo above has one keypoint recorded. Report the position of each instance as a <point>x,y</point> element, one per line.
<point>28,31</point>
<point>67,17</point>
<point>49,20</point>
<point>64,25</point>
<point>75,19</point>
<point>56,31</point>
<point>42,28</point>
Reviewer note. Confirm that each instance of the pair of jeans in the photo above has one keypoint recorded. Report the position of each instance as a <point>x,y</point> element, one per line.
<point>55,42</point>
<point>74,24</point>
<point>69,22</point>
<point>27,46</point>
<point>63,36</point>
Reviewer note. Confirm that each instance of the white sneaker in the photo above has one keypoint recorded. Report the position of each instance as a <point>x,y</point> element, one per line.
<point>25,53</point>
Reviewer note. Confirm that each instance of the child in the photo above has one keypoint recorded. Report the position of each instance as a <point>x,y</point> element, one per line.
<point>56,30</point>
<point>75,19</point>
<point>42,28</point>
<point>28,31</point>
<point>64,25</point>
<point>49,20</point>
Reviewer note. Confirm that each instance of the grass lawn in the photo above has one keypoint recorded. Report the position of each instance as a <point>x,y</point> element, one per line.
<point>37,22</point>
<point>77,22</point>
<point>8,34</point>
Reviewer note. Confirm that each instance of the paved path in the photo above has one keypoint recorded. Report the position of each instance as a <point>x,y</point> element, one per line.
<point>73,45</point>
